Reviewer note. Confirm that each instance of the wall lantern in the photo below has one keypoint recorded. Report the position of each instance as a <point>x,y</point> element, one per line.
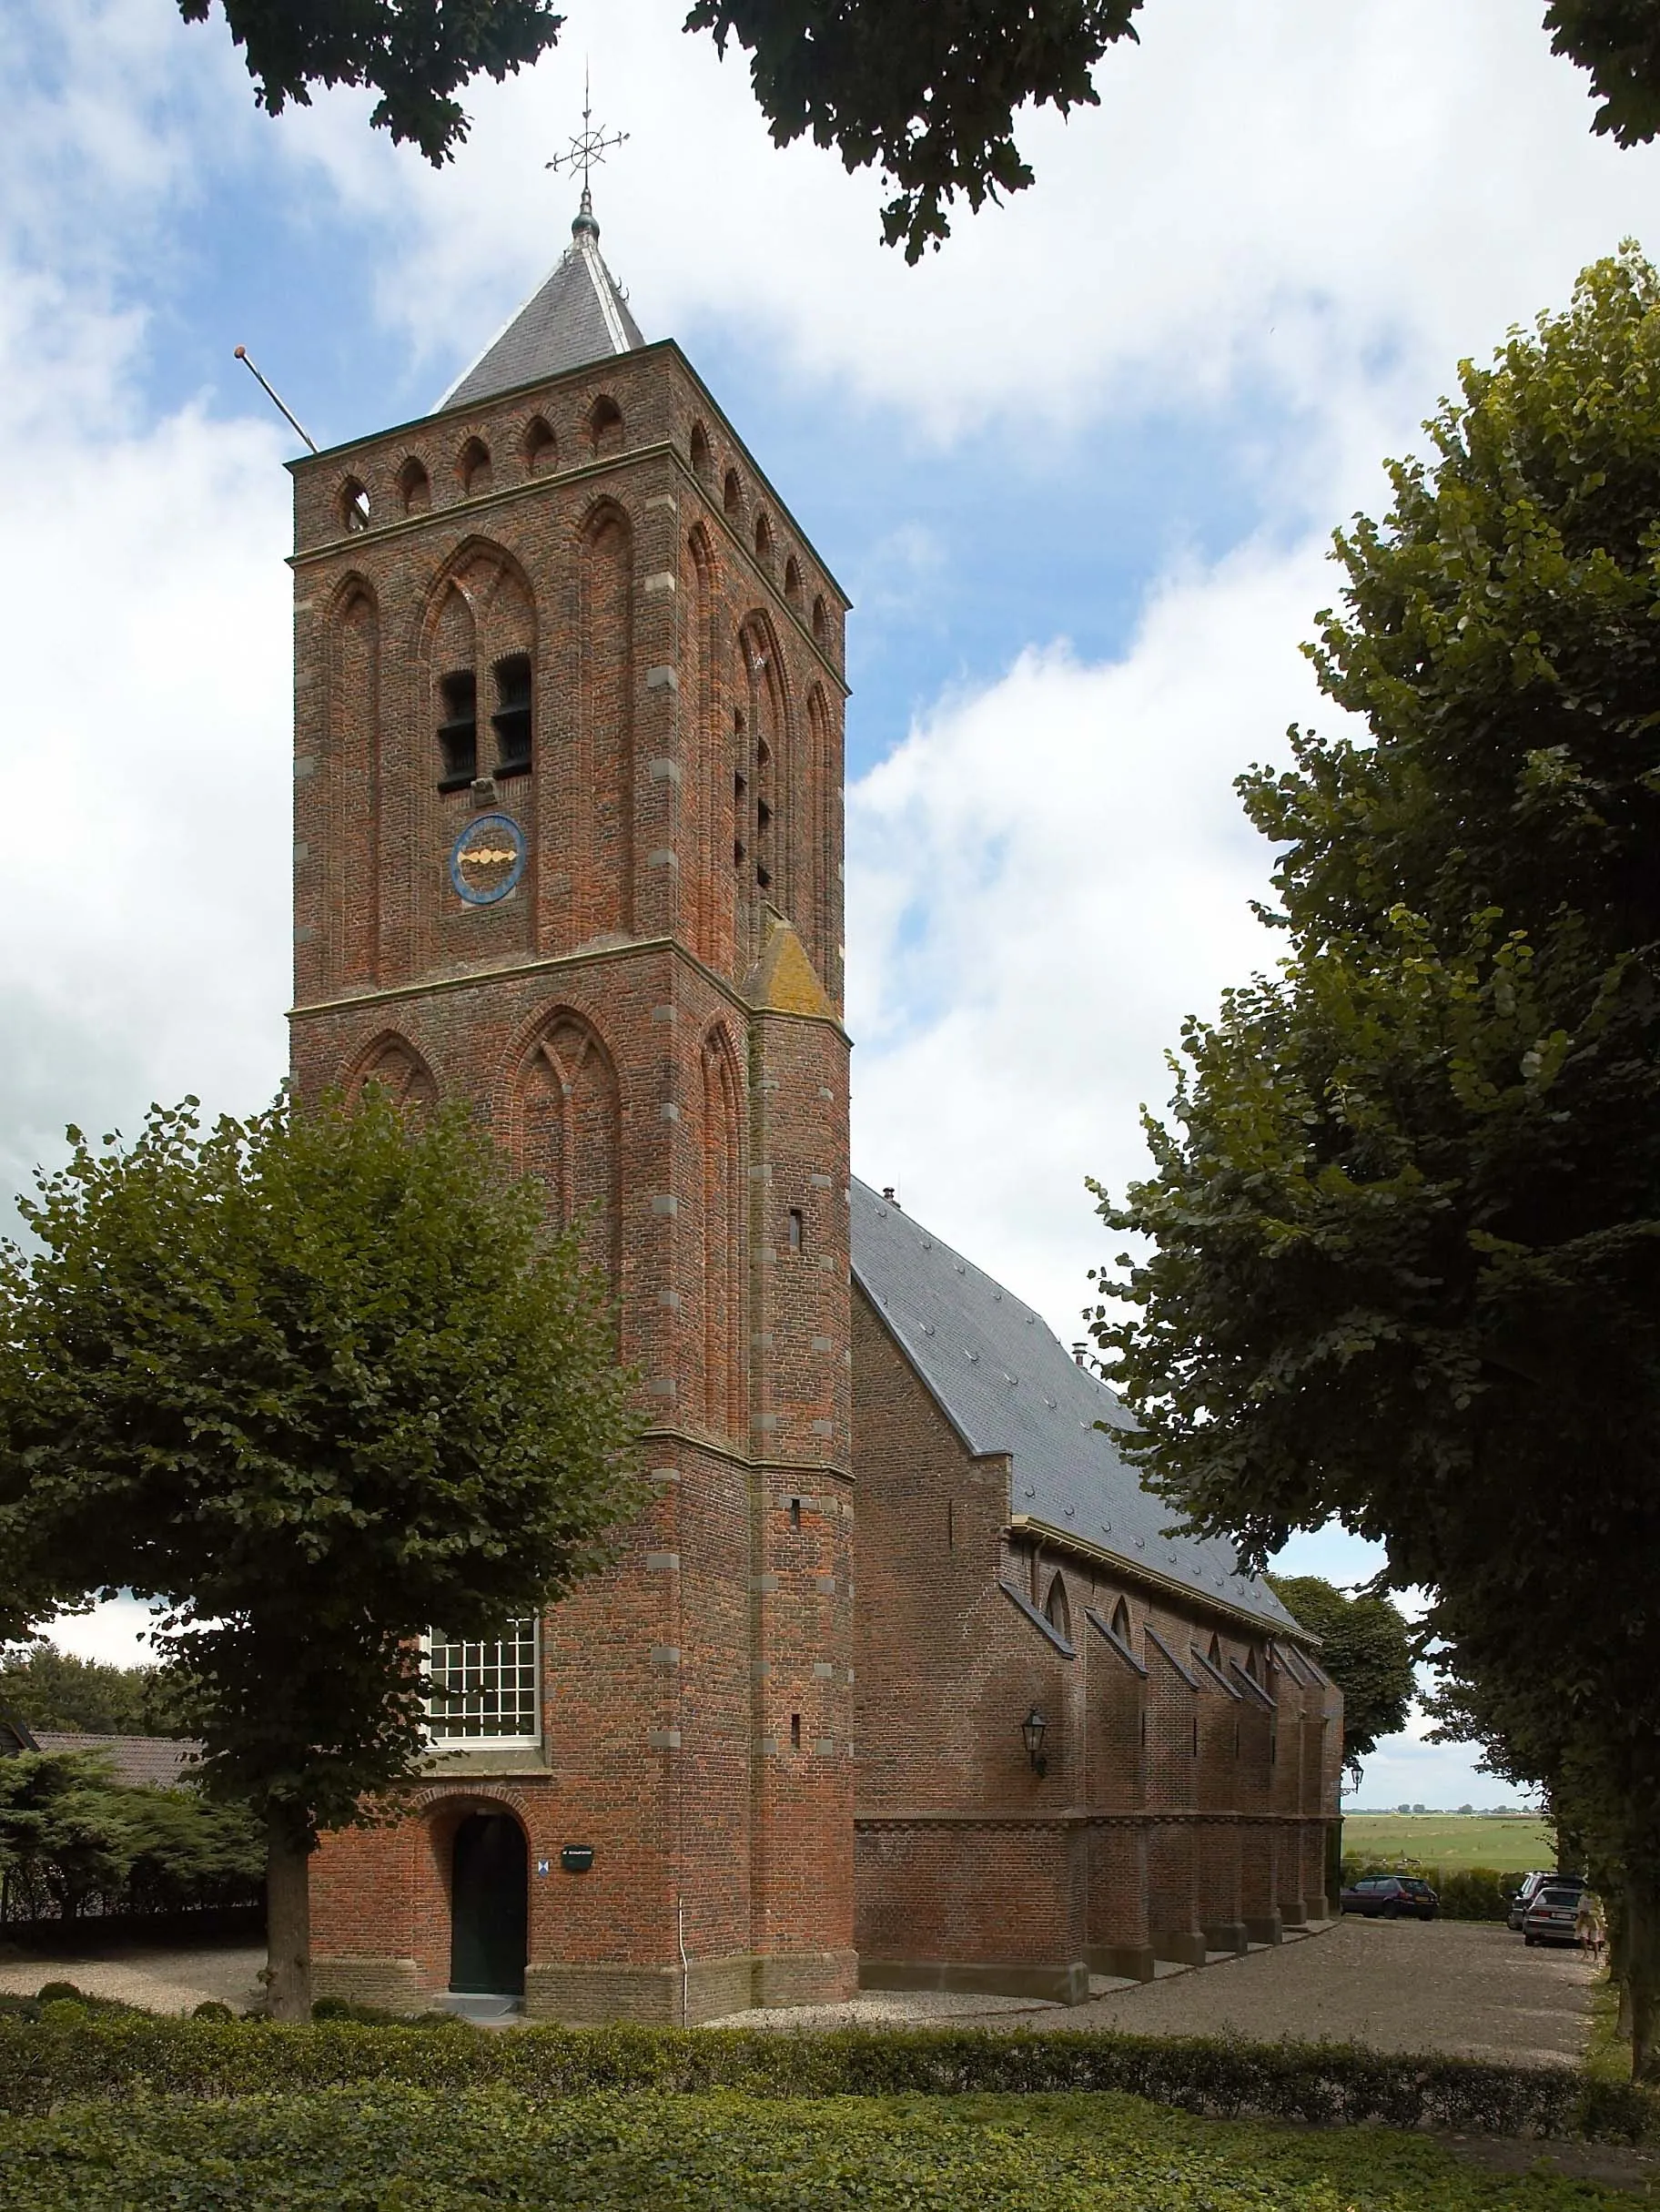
<point>1033,1730</point>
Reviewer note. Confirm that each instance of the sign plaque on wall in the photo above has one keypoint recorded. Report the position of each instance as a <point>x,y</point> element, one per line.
<point>576,1858</point>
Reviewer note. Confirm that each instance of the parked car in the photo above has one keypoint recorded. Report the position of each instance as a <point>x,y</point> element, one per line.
<point>1552,1913</point>
<point>1391,1897</point>
<point>1531,1886</point>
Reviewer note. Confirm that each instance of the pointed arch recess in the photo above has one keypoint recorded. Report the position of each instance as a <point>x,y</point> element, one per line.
<point>352,924</point>
<point>725,1333</point>
<point>603,858</point>
<point>822,828</point>
<point>712,769</point>
<point>393,1062</point>
<point>566,1116</point>
<point>768,875</point>
<point>1056,1607</point>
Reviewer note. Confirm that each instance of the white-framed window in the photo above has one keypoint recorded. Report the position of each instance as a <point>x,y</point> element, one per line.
<point>486,1693</point>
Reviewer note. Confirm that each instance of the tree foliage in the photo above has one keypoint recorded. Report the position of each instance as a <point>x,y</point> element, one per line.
<point>416,54</point>
<point>928,94</point>
<point>320,1380</point>
<point>1618,42</point>
<point>1367,1649</point>
<point>72,1839</point>
<point>50,1688</point>
<point>1405,1217</point>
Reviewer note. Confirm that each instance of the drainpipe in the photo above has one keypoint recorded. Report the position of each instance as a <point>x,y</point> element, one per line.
<point>685,1963</point>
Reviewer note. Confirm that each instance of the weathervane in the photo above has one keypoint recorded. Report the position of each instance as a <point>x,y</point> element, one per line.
<point>591,146</point>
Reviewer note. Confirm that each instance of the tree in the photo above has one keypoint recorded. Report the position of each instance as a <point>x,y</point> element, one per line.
<point>926,94</point>
<point>70,1837</point>
<point>51,1688</point>
<point>1405,1218</point>
<point>319,1380</point>
<point>62,1839</point>
<point>1367,1649</point>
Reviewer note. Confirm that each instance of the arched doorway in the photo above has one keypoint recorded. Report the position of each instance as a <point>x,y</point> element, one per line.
<point>487,1906</point>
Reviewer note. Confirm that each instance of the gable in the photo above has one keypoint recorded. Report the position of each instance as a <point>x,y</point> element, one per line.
<point>1007,1385</point>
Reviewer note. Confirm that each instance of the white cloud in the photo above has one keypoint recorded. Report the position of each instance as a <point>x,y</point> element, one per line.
<point>1044,878</point>
<point>143,740</point>
<point>115,1633</point>
<point>1276,194</point>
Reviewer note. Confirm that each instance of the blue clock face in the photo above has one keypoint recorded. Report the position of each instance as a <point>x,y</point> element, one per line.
<point>486,860</point>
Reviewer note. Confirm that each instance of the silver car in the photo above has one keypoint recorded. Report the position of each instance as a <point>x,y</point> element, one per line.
<point>1553,1915</point>
<point>1531,1886</point>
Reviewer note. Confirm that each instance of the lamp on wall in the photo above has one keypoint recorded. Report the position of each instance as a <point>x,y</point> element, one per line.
<point>1033,1730</point>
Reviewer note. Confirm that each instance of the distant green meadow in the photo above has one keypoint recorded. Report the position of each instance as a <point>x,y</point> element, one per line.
<point>1512,1845</point>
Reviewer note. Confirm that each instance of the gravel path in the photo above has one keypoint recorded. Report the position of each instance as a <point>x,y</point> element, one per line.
<point>175,1980</point>
<point>1396,1985</point>
<point>1403,1985</point>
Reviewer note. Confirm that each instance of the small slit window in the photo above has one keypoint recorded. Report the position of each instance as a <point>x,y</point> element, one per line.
<point>795,1732</point>
<point>473,468</point>
<point>797,1229</point>
<point>414,487</point>
<point>354,505</point>
<point>458,730</point>
<point>511,718</point>
<point>1121,1623</point>
<point>541,446</point>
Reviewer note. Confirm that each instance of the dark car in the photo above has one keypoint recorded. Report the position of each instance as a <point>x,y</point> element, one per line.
<point>1391,1897</point>
<point>1531,1886</point>
<point>1552,1913</point>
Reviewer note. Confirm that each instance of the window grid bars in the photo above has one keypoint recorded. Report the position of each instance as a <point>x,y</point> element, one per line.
<point>484,1689</point>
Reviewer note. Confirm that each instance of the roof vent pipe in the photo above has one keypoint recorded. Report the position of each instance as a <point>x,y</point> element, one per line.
<point>1077,1353</point>
<point>887,1193</point>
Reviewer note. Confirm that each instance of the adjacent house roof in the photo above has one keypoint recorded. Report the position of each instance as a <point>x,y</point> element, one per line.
<point>576,314</point>
<point>1007,1384</point>
<point>159,1762</point>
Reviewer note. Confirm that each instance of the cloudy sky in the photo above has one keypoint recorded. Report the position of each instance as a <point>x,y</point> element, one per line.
<point>1078,474</point>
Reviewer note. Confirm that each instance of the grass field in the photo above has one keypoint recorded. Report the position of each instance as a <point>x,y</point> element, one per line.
<point>1452,1840</point>
<point>484,2151</point>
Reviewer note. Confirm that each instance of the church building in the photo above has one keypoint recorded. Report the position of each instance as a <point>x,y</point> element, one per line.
<point>899,1682</point>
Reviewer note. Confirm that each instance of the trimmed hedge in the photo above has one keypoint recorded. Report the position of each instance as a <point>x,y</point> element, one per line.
<point>1466,1893</point>
<point>490,2150</point>
<point>64,2055</point>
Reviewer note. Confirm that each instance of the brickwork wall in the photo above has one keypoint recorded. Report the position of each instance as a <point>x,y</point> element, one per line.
<point>603,1019</point>
<point>1167,1821</point>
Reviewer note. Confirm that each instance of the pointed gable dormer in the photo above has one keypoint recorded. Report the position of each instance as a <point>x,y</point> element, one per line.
<point>575,316</point>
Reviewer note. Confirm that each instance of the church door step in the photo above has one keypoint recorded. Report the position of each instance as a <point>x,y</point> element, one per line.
<point>484,2011</point>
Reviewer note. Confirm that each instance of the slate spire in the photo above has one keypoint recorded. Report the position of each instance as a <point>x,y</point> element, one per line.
<point>575,316</point>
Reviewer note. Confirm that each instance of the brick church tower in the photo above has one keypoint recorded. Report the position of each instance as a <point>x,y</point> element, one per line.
<point>568,774</point>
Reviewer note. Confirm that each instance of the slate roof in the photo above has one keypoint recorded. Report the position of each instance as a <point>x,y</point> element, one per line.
<point>576,314</point>
<point>157,1762</point>
<point>1007,1384</point>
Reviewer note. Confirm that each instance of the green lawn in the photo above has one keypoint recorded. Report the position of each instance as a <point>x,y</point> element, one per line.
<point>1452,1840</point>
<point>392,2148</point>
